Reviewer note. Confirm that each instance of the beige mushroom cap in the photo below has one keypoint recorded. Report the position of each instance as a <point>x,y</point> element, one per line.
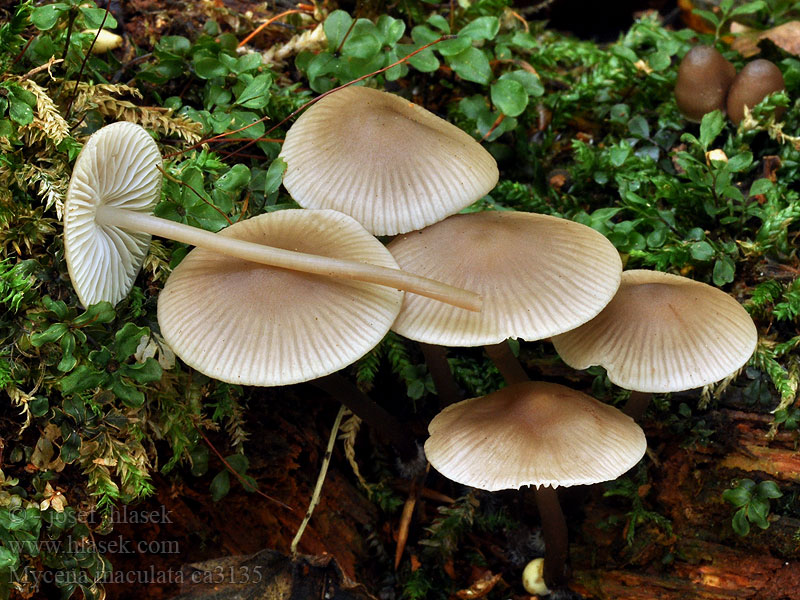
<point>388,163</point>
<point>251,324</point>
<point>118,166</point>
<point>538,276</point>
<point>533,433</point>
<point>663,333</point>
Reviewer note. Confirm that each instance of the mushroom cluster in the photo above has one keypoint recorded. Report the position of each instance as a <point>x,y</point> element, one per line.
<point>707,82</point>
<point>295,295</point>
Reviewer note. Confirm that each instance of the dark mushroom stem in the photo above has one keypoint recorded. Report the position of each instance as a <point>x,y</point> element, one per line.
<point>446,386</point>
<point>507,363</point>
<point>361,405</point>
<point>556,538</point>
<point>637,405</point>
<point>554,526</point>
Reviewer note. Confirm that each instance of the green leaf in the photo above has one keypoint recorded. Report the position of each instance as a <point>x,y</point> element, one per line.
<point>8,559</point>
<point>439,22</point>
<point>529,81</point>
<point>221,484</point>
<point>740,162</point>
<point>740,523</point>
<point>145,372</point>
<point>363,42</point>
<point>768,489</point>
<point>710,127</point>
<point>724,271</point>
<point>208,67</point>
<point>256,93</point>
<point>126,392</point>
<point>336,27</point>
<point>391,29</point>
<point>482,28</point>
<point>707,15</point>
<point>102,312</point>
<point>453,47</point>
<point>81,379</point>
<point>471,65</point>
<point>233,180</point>
<point>127,340</point>
<point>702,251</point>
<point>45,17</point>
<point>274,176</point>
<point>57,307</point>
<point>638,127</point>
<point>425,61</point>
<point>68,361</point>
<point>619,154</point>
<point>750,7</point>
<point>95,18</point>
<point>238,462</point>
<point>18,109</point>
<point>71,448</point>
<point>509,96</point>
<point>760,186</point>
<point>51,334</point>
<point>737,496</point>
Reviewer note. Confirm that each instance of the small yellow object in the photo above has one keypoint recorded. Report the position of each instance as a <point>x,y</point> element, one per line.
<point>533,578</point>
<point>718,155</point>
<point>106,41</point>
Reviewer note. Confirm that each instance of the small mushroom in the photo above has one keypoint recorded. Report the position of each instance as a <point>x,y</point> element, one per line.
<point>704,77</point>
<point>115,184</point>
<point>539,434</point>
<point>755,81</point>
<point>105,40</point>
<point>387,162</point>
<point>663,333</point>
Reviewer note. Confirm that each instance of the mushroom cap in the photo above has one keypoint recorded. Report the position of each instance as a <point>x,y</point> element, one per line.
<point>533,433</point>
<point>388,163</point>
<point>538,276</point>
<point>663,333</point>
<point>757,80</point>
<point>251,324</point>
<point>118,166</point>
<point>704,77</point>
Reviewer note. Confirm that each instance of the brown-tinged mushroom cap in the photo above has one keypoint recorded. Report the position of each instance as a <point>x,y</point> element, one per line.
<point>118,166</point>
<point>663,333</point>
<point>533,433</point>
<point>538,276</point>
<point>251,324</point>
<point>704,77</point>
<point>385,161</point>
<point>757,80</point>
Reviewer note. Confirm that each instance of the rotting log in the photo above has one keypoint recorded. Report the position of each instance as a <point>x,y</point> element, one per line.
<point>702,557</point>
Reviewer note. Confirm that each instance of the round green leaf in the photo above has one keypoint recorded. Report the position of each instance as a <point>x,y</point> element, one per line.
<point>509,96</point>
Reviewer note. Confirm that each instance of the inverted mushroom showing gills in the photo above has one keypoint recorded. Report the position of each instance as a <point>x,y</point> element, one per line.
<point>107,226</point>
<point>252,324</point>
<point>385,161</point>
<point>539,434</point>
<point>663,333</point>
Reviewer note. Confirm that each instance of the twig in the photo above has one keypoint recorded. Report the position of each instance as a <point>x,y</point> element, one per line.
<point>246,484</point>
<point>179,182</point>
<point>320,480</point>
<point>267,23</point>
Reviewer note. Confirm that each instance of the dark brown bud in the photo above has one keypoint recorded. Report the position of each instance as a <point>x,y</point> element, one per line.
<point>704,77</point>
<point>755,82</point>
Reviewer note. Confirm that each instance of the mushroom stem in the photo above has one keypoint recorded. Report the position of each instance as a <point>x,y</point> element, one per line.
<point>637,405</point>
<point>287,259</point>
<point>554,529</point>
<point>507,363</point>
<point>385,424</point>
<point>446,386</point>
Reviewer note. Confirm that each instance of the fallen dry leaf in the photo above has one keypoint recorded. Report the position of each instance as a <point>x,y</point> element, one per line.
<point>480,588</point>
<point>786,37</point>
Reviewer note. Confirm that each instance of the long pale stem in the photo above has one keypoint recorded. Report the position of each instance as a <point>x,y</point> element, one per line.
<point>288,259</point>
